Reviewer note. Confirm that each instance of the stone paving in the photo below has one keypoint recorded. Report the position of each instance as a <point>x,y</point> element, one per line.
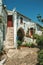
<point>23,56</point>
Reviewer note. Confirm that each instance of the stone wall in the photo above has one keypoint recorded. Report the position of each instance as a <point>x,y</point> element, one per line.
<point>1,36</point>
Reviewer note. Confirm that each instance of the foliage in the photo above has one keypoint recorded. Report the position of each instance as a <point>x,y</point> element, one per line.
<point>36,36</point>
<point>40,57</point>
<point>19,43</point>
<point>39,17</point>
<point>40,53</point>
<point>39,41</point>
<point>28,44</point>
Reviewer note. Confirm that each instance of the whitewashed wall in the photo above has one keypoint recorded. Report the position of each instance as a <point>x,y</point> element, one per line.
<point>28,23</point>
<point>21,25</point>
<point>38,31</point>
<point>18,25</point>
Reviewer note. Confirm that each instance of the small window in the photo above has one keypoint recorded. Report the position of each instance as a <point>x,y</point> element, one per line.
<point>21,20</point>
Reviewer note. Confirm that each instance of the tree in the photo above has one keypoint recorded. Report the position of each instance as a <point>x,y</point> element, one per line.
<point>39,17</point>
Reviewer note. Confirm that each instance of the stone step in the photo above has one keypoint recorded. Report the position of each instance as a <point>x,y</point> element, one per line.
<point>10,31</point>
<point>10,38</point>
<point>9,35</point>
<point>9,43</point>
<point>9,47</point>
<point>10,28</point>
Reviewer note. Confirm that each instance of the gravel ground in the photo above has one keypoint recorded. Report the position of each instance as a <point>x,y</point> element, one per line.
<point>23,56</point>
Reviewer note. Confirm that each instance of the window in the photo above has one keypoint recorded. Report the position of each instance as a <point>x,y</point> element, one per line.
<point>21,20</point>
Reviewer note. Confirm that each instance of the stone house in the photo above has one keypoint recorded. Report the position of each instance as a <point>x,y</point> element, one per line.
<point>13,26</point>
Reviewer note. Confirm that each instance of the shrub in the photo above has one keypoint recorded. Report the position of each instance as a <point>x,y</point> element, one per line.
<point>19,43</point>
<point>40,57</point>
<point>35,36</point>
<point>40,53</point>
<point>28,44</point>
<point>39,41</point>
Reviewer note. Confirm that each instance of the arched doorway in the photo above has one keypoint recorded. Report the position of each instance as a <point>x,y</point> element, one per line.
<point>20,34</point>
<point>31,31</point>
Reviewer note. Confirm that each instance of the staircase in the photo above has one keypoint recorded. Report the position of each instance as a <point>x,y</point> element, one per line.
<point>9,42</point>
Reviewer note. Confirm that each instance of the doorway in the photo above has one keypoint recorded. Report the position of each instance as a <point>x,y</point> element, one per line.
<point>9,21</point>
<point>20,34</point>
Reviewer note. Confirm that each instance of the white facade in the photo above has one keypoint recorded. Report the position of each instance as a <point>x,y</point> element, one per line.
<point>38,30</point>
<point>27,23</point>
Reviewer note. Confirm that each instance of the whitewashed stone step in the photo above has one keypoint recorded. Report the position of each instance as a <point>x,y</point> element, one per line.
<point>9,43</point>
<point>10,38</point>
<point>9,47</point>
<point>10,33</point>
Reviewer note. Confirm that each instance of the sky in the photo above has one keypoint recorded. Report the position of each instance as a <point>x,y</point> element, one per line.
<point>29,8</point>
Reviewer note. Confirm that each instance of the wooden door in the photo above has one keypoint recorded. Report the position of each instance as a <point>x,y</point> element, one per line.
<point>10,22</point>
